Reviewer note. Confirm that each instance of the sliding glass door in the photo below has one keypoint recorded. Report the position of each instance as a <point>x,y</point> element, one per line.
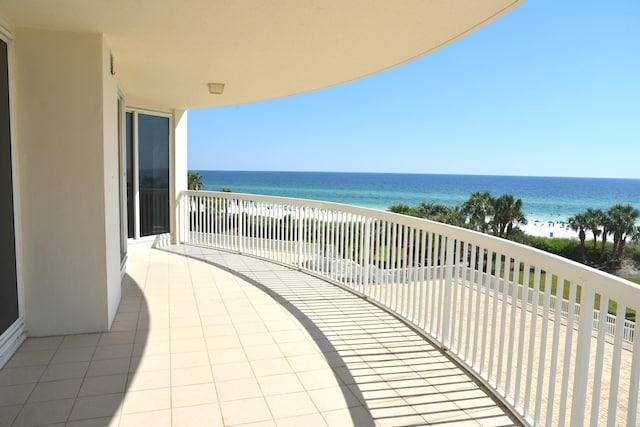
<point>148,172</point>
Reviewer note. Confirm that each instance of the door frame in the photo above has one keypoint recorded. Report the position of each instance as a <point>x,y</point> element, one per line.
<point>14,336</point>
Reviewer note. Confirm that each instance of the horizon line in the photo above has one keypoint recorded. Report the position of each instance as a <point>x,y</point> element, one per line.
<point>415,173</point>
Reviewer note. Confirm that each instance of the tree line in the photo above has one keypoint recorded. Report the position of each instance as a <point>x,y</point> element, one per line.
<point>500,216</point>
<point>618,221</point>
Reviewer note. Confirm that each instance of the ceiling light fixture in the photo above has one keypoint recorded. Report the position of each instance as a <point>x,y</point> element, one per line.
<point>216,88</point>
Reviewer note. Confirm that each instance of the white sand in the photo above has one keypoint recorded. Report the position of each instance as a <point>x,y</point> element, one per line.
<point>549,229</point>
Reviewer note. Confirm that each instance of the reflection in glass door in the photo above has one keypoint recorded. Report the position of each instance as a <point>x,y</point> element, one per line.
<point>147,165</point>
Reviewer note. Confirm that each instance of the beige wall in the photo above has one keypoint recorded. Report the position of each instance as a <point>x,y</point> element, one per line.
<point>66,136</point>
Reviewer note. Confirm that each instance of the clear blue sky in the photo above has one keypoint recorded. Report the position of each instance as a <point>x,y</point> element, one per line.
<point>551,89</point>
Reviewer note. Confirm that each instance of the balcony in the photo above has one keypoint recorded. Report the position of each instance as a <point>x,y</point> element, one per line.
<point>286,312</point>
<point>205,337</point>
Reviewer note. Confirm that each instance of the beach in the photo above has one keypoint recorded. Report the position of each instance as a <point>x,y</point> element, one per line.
<point>549,229</point>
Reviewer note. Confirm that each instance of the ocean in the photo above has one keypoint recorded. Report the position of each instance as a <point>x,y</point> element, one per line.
<point>544,198</point>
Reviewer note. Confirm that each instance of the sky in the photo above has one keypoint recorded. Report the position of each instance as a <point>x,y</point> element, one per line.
<point>550,89</point>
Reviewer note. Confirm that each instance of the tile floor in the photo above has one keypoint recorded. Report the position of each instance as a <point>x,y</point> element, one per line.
<point>207,338</point>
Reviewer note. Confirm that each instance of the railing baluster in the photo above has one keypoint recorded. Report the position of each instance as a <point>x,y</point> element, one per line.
<point>555,349</point>
<point>583,352</point>
<point>564,388</point>
<point>494,316</point>
<point>614,384</point>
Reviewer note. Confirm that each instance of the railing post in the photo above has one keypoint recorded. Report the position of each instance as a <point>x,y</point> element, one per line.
<point>446,312</point>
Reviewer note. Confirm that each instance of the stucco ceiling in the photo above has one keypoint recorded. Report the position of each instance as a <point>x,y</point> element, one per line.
<point>167,51</point>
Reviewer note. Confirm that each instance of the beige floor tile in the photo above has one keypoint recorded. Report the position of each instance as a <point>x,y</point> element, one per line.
<point>263,351</point>
<point>117,338</point>
<point>280,384</point>
<point>256,339</point>
<point>66,355</point>
<point>109,367</point>
<point>187,333</point>
<point>107,405</point>
<point>26,375</point>
<point>81,340</point>
<point>147,400</point>
<point>191,395</point>
<point>63,371</point>
<point>333,398</point>
<point>189,360</point>
<point>238,389</point>
<point>267,367</point>
<point>188,345</point>
<point>30,358</point>
<point>15,394</point>
<point>36,344</point>
<point>223,342</point>
<point>297,348</point>
<point>95,422</point>
<point>306,362</point>
<point>160,418</point>
<point>155,362</point>
<point>231,371</point>
<point>189,376</point>
<point>311,420</point>
<point>317,379</point>
<point>291,405</point>
<point>55,390</point>
<point>93,386</point>
<point>148,348</point>
<point>149,380</point>
<point>8,414</point>
<point>195,416</point>
<point>245,411</point>
<point>229,355</point>
<point>357,416</point>
<point>113,351</point>
<point>289,336</point>
<point>40,413</point>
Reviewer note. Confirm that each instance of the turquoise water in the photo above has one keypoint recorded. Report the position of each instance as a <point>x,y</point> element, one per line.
<point>544,198</point>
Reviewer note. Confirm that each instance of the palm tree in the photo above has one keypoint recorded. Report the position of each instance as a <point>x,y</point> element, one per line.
<point>507,213</point>
<point>477,209</point>
<point>594,219</point>
<point>578,223</point>
<point>623,224</point>
<point>194,180</point>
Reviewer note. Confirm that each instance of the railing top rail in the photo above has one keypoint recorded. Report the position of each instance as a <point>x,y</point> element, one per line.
<point>596,280</point>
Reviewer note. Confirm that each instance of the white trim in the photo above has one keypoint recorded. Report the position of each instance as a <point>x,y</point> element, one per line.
<point>5,33</point>
<point>11,340</point>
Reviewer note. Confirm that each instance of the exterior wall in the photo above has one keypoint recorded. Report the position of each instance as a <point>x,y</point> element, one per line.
<point>66,136</point>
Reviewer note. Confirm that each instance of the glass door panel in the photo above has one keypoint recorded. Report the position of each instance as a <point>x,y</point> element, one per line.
<point>153,155</point>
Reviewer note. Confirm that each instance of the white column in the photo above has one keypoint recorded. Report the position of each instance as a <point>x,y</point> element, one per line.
<point>179,166</point>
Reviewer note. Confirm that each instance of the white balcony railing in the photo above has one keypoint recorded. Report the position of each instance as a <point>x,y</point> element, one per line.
<point>525,322</point>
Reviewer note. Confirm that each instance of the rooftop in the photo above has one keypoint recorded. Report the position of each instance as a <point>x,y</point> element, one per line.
<point>209,335</point>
